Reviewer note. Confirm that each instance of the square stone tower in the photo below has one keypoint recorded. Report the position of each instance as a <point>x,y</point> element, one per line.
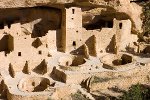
<point>123,36</point>
<point>71,29</point>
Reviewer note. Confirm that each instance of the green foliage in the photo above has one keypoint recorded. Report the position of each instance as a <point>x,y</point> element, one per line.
<point>136,92</point>
<point>146,18</point>
<point>78,96</point>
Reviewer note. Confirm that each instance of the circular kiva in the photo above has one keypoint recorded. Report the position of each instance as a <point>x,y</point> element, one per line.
<point>71,63</point>
<point>34,84</point>
<point>119,61</point>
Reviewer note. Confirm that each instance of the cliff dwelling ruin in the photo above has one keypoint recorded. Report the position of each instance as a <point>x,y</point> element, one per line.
<point>51,50</point>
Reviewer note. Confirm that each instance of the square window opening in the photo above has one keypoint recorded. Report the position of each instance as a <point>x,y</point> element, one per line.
<point>19,53</point>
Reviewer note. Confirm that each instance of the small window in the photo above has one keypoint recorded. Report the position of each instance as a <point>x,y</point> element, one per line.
<point>67,63</point>
<point>120,25</point>
<point>73,11</point>
<point>19,53</point>
<point>72,18</point>
<point>33,83</point>
<point>46,45</point>
<point>74,43</point>
<point>40,52</point>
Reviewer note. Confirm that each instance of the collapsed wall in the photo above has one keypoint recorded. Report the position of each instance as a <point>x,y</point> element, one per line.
<point>25,33</point>
<point>63,42</point>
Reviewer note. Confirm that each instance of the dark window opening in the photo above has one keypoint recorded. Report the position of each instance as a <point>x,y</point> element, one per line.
<point>74,43</point>
<point>99,25</point>
<point>67,63</point>
<point>40,52</point>
<point>73,11</point>
<point>1,25</point>
<point>72,18</point>
<point>120,25</point>
<point>46,45</point>
<point>33,83</point>
<point>9,22</point>
<point>19,53</point>
<point>9,25</point>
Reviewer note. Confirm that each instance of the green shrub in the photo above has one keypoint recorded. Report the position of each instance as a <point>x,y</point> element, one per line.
<point>137,92</point>
<point>146,12</point>
<point>146,19</point>
<point>78,96</point>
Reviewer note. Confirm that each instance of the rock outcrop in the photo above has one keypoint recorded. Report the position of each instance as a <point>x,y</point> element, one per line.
<point>118,8</point>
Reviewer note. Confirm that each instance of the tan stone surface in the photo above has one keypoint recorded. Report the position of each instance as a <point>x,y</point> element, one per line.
<point>54,49</point>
